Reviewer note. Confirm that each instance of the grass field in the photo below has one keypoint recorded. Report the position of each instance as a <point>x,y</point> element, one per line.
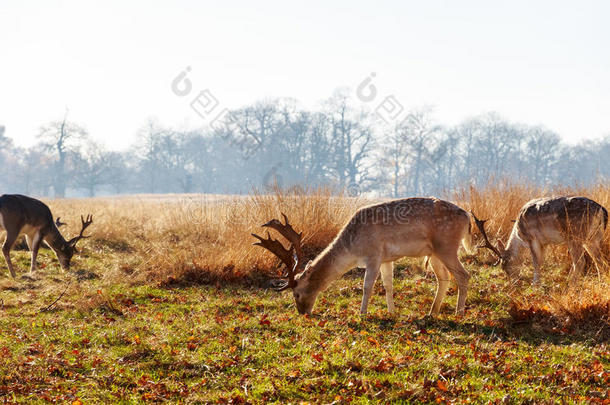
<point>169,302</point>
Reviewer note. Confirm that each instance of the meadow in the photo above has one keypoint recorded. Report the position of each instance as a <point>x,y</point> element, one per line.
<point>170,301</point>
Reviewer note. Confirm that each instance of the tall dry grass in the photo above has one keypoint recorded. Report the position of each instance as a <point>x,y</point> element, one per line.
<point>562,307</point>
<point>500,203</point>
<point>194,238</point>
<point>203,238</point>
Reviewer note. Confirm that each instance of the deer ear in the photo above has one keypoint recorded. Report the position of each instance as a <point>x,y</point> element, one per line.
<point>501,246</point>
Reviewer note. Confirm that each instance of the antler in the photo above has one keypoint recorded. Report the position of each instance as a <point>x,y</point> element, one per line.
<point>292,256</point>
<point>481,225</point>
<point>288,232</point>
<point>275,247</point>
<point>58,222</point>
<point>85,223</point>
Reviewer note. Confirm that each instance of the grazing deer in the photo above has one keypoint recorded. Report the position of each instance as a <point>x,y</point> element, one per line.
<point>375,237</point>
<point>577,221</point>
<point>20,214</point>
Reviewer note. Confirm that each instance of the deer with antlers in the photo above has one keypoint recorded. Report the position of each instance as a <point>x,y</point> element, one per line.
<point>375,237</point>
<point>577,221</point>
<point>20,214</point>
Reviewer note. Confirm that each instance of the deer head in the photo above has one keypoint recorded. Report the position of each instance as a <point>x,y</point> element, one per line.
<point>292,258</point>
<point>501,253</point>
<point>488,245</point>
<point>69,248</point>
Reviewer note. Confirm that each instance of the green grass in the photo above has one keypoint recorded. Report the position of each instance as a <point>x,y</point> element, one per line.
<point>109,341</point>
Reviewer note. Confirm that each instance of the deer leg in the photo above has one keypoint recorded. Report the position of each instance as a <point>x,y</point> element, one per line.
<point>442,281</point>
<point>537,259</point>
<point>452,263</point>
<point>578,266</point>
<point>593,249</point>
<point>370,276</point>
<point>36,241</point>
<point>6,250</point>
<point>387,275</point>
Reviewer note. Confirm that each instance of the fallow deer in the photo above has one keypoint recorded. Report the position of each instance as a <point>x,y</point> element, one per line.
<point>577,221</point>
<point>375,237</point>
<point>20,214</point>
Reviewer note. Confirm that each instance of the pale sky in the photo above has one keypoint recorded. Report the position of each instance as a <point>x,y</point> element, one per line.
<point>112,62</point>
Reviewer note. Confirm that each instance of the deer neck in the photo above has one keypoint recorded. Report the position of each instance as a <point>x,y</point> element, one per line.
<point>331,264</point>
<point>515,245</point>
<point>55,240</point>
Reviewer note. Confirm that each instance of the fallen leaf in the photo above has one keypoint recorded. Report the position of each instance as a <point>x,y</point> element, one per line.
<point>441,385</point>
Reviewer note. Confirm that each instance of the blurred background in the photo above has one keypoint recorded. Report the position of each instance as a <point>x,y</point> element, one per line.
<point>385,99</point>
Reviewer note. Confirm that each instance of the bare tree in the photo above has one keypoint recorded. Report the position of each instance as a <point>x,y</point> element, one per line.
<point>6,145</point>
<point>61,138</point>
<point>352,141</point>
<point>120,174</point>
<point>92,168</point>
<point>418,130</point>
<point>2,137</point>
<point>541,153</point>
<point>253,129</point>
<point>35,171</point>
<point>148,150</point>
<point>393,158</point>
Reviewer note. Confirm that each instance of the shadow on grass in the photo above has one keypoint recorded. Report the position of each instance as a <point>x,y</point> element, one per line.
<point>506,329</point>
<point>530,331</point>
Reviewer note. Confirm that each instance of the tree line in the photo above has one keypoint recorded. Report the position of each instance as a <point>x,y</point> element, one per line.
<point>277,142</point>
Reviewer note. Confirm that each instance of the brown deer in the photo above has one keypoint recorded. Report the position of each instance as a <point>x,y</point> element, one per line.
<point>25,215</point>
<point>577,221</point>
<point>375,237</point>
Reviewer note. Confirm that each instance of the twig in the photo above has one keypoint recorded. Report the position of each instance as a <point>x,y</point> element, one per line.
<point>45,309</point>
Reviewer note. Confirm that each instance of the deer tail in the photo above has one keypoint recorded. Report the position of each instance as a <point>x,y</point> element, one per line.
<point>467,239</point>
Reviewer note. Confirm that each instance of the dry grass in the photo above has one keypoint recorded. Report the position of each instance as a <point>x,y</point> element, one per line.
<point>558,306</point>
<point>206,239</point>
<point>199,238</point>
<point>501,202</point>
<point>120,334</point>
<point>583,308</point>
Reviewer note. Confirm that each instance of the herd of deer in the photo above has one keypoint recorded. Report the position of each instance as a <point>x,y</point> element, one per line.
<point>375,237</point>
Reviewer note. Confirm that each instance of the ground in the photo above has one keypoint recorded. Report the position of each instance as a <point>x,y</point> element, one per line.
<point>79,338</point>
